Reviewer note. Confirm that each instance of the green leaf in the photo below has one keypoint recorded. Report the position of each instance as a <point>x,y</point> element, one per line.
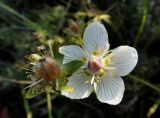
<point>72,66</point>
<point>55,47</point>
<point>34,91</point>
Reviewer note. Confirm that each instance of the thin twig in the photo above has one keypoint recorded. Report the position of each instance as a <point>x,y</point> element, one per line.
<point>111,7</point>
<point>61,22</point>
<point>26,105</point>
<point>14,80</point>
<point>140,80</point>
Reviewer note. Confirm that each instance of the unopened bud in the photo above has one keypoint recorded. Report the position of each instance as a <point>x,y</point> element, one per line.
<point>74,27</point>
<point>48,68</point>
<point>33,57</point>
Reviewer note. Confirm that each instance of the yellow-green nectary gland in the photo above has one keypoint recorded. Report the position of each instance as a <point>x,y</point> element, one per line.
<point>106,61</point>
<point>95,64</point>
<point>47,68</point>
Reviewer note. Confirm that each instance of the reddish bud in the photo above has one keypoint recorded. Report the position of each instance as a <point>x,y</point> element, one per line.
<point>74,27</point>
<point>48,68</point>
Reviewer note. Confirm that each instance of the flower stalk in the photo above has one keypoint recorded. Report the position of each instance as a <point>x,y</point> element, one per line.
<point>26,105</point>
<point>49,105</point>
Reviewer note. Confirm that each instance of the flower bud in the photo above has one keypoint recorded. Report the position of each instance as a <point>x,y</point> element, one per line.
<point>48,68</point>
<point>32,57</point>
<point>74,27</point>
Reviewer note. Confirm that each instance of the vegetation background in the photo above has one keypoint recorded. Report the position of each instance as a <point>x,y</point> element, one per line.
<point>26,24</point>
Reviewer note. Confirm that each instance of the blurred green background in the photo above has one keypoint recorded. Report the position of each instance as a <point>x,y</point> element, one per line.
<point>26,24</point>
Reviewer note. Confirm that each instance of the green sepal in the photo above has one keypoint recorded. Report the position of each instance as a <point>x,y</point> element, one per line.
<point>34,91</point>
<point>72,66</point>
<point>55,47</point>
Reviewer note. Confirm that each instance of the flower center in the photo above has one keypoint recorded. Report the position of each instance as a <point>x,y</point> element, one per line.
<point>95,64</point>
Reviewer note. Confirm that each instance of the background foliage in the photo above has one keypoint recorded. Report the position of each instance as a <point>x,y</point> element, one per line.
<point>25,24</point>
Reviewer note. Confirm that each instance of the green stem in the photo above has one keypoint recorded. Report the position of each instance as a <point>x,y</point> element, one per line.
<point>26,105</point>
<point>143,21</point>
<point>140,80</point>
<point>49,105</point>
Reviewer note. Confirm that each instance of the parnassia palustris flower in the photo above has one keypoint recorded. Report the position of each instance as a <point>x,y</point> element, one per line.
<point>102,69</point>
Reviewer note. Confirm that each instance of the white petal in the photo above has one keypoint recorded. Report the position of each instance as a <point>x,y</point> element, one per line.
<point>124,58</point>
<point>96,38</point>
<point>81,85</point>
<point>71,53</point>
<point>110,90</point>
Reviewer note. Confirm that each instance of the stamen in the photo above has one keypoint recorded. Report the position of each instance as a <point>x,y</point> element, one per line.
<point>33,84</point>
<point>95,53</point>
<point>106,61</point>
<point>101,72</point>
<point>109,68</point>
<point>92,80</point>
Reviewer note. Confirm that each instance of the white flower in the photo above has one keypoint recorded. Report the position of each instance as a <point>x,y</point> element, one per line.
<point>102,70</point>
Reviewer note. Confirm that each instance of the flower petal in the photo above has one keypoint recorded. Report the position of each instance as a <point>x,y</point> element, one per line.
<point>81,85</point>
<point>124,59</point>
<point>96,38</point>
<point>110,89</point>
<point>71,53</point>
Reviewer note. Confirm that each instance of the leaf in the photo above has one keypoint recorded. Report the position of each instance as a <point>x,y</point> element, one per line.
<point>55,47</point>
<point>34,91</point>
<point>72,66</point>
